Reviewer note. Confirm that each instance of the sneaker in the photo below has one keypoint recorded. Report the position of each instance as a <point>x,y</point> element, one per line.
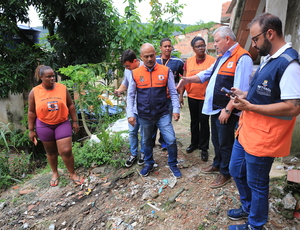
<point>245,226</point>
<point>146,170</point>
<point>130,161</point>
<point>164,147</point>
<point>237,214</point>
<point>176,172</point>
<point>141,159</point>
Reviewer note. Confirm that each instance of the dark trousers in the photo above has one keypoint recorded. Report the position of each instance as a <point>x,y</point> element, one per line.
<point>223,138</point>
<point>199,124</point>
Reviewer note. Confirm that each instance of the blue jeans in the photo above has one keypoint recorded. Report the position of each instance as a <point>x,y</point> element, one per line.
<point>251,175</point>
<point>166,129</point>
<point>134,137</point>
<point>161,139</point>
<point>223,137</point>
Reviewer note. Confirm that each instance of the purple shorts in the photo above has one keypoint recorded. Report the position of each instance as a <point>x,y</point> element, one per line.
<point>49,133</point>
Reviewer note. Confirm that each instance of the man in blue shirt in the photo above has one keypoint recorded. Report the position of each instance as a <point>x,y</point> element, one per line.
<point>233,68</point>
<point>176,65</point>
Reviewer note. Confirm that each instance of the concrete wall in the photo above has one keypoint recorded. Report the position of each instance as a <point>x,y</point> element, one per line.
<point>292,24</point>
<point>12,110</point>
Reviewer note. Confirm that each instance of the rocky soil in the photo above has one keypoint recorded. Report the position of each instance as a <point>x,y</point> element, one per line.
<point>122,199</point>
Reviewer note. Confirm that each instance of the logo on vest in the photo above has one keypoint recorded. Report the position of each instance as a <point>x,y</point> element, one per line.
<point>230,64</point>
<point>142,78</point>
<point>263,89</point>
<point>161,77</point>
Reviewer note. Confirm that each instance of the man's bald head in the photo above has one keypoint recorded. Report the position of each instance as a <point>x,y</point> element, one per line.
<point>146,47</point>
<point>148,55</point>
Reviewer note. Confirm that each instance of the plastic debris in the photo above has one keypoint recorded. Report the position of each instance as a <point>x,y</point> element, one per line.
<point>94,139</point>
<point>153,206</point>
<point>88,191</point>
<point>165,184</point>
<point>295,159</point>
<point>51,227</point>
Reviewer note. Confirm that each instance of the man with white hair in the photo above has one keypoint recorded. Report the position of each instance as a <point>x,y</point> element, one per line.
<point>233,68</point>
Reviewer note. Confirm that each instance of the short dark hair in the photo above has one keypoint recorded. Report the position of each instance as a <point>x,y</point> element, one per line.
<point>197,38</point>
<point>128,55</point>
<point>165,40</point>
<point>268,21</point>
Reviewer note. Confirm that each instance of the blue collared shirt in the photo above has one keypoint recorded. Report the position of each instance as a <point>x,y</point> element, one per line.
<point>131,94</point>
<point>242,78</point>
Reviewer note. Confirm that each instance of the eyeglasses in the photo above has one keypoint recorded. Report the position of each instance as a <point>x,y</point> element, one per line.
<point>255,38</point>
<point>200,46</point>
<point>50,76</point>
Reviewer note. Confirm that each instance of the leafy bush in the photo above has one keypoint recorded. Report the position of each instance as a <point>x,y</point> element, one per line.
<point>20,165</point>
<point>108,151</point>
<point>5,178</point>
<point>4,132</point>
<point>13,168</point>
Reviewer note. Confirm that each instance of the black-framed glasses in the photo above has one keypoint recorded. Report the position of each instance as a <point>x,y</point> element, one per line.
<point>200,46</point>
<point>255,38</point>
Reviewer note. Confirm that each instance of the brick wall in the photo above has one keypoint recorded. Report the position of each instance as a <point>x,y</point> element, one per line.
<point>184,41</point>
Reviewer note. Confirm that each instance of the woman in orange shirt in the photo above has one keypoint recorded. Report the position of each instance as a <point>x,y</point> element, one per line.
<point>50,105</point>
<point>199,122</point>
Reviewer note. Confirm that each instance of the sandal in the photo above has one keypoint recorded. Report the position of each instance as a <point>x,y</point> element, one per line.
<point>80,181</point>
<point>54,183</point>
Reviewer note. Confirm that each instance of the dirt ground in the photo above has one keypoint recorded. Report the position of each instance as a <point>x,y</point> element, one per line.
<point>122,199</point>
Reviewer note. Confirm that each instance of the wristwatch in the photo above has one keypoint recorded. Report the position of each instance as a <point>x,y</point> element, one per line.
<point>227,111</point>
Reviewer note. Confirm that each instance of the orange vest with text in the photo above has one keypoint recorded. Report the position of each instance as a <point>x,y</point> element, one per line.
<point>51,105</point>
<point>196,90</point>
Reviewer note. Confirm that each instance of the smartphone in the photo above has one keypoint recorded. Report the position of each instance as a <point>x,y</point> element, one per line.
<point>229,92</point>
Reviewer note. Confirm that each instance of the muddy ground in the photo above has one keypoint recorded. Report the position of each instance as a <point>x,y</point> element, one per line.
<point>122,199</point>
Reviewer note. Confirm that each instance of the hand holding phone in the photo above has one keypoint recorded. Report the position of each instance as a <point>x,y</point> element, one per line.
<point>229,92</point>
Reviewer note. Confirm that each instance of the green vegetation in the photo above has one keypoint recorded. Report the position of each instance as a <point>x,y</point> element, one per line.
<point>83,81</point>
<point>200,25</point>
<point>14,169</point>
<point>111,150</point>
<point>84,42</point>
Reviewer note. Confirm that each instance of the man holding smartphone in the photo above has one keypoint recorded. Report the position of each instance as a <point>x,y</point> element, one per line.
<point>269,110</point>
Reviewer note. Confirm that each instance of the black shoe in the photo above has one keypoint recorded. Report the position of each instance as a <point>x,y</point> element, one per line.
<point>191,148</point>
<point>130,161</point>
<point>141,159</point>
<point>204,155</point>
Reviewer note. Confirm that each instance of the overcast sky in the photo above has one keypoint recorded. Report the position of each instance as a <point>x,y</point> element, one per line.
<point>193,12</point>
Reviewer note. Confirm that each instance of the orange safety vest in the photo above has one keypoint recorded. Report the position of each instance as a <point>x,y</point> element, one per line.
<point>265,136</point>
<point>225,77</point>
<point>151,91</point>
<point>51,105</point>
<point>196,90</point>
